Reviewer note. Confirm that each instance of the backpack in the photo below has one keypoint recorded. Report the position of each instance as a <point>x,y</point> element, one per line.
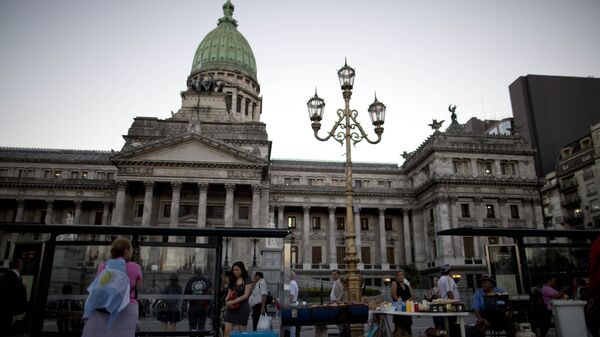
<point>269,299</point>
<point>109,291</point>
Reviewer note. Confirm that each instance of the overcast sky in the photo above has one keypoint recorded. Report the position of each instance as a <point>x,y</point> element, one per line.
<point>73,74</point>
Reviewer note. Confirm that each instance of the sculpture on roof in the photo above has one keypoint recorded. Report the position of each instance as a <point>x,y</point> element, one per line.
<point>435,125</point>
<point>452,109</point>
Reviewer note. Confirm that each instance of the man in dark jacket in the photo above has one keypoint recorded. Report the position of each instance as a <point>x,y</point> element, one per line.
<point>13,296</point>
<point>198,309</point>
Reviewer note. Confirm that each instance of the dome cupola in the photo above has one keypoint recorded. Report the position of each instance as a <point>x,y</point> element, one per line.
<point>225,48</point>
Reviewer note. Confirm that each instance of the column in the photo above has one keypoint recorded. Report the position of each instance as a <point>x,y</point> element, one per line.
<point>20,210</point>
<point>474,172</point>
<point>202,197</point>
<point>148,196</point>
<point>105,213</point>
<point>175,197</point>
<point>49,212</point>
<point>407,237</point>
<point>306,250</point>
<point>382,240</point>
<point>255,206</point>
<point>357,230</point>
<point>442,223</point>
<point>331,240</point>
<point>419,234</point>
<point>77,216</point>
<point>538,218</point>
<point>228,218</point>
<point>478,241</point>
<point>280,223</point>
<point>272,223</point>
<point>119,218</point>
<point>497,168</point>
<point>457,241</point>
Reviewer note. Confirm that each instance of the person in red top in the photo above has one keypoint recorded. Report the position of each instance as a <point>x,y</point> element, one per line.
<point>593,309</point>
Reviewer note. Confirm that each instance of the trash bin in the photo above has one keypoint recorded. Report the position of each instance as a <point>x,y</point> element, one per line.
<point>569,318</point>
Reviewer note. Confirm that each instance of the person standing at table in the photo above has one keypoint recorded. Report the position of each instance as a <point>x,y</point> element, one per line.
<point>294,291</point>
<point>401,293</point>
<point>448,291</point>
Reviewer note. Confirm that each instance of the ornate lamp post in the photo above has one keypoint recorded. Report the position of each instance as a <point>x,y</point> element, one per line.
<point>254,242</point>
<point>226,262</point>
<point>348,130</point>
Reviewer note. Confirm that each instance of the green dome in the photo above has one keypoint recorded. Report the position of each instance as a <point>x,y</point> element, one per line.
<point>225,48</point>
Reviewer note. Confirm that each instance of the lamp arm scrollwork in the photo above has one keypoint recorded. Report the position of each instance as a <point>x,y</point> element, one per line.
<point>332,133</point>
<point>363,135</point>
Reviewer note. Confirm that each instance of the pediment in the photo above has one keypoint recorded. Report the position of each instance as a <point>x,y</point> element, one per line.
<point>190,148</point>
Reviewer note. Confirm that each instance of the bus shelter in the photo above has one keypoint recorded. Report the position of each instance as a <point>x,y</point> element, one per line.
<point>60,261</point>
<point>511,263</point>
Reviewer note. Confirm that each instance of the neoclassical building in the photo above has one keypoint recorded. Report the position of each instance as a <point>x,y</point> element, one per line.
<point>210,165</point>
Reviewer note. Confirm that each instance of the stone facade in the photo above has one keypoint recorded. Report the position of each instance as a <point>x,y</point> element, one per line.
<point>209,165</point>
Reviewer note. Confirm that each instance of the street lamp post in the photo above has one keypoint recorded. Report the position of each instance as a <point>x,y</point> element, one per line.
<point>254,242</point>
<point>348,130</point>
<point>226,262</point>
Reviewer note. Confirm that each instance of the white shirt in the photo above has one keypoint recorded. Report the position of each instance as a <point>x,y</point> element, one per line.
<point>446,284</point>
<point>260,288</point>
<point>332,297</point>
<point>294,291</point>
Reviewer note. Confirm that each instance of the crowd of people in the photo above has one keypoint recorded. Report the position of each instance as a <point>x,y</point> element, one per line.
<point>243,297</point>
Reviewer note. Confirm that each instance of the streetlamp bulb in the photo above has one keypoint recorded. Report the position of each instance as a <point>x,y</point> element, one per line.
<point>377,112</point>
<point>316,107</point>
<point>346,76</point>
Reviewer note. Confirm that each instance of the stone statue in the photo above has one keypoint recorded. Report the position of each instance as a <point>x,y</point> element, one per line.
<point>452,108</point>
<point>435,125</point>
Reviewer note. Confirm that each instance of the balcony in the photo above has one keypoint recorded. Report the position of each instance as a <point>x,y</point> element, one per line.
<point>570,202</point>
<point>55,182</point>
<point>568,185</point>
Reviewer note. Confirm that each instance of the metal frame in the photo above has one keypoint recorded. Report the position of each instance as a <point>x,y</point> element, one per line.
<point>215,235</point>
<point>519,266</point>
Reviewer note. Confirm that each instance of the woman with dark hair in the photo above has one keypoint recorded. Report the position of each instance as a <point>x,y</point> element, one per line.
<point>125,324</point>
<point>238,308</point>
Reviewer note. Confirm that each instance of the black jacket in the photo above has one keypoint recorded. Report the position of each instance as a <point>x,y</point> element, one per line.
<point>13,298</point>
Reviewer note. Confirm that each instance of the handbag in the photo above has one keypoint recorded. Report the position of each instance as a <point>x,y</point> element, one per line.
<point>264,323</point>
<point>232,296</point>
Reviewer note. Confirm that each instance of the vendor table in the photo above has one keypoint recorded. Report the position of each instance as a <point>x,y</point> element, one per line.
<point>386,330</point>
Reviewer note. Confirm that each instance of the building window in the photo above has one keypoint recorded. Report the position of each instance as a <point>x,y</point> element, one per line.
<point>316,181</point>
<point>388,224</point>
<point>339,254</point>
<point>247,106</point>
<point>434,248</point>
<point>391,257</point>
<point>514,211</point>
<point>57,174</point>
<point>489,211</point>
<point>243,212</point>
<point>595,205</point>
<point>366,254</point>
<point>140,209</point>
<point>296,181</point>
<point>464,211</point>
<point>291,222</point>
<point>166,212</point>
<point>316,222</point>
<point>341,223</point>
<point>100,175</point>
<point>364,224</point>
<point>84,174</point>
<point>381,183</point>
<point>98,218</point>
<point>493,240</point>
<point>588,174</point>
<point>591,189</point>
<point>366,183</point>
<point>215,212</point>
<point>377,282</point>
<point>110,176</point>
<point>287,181</point>
<point>47,174</point>
<point>469,247</point>
<point>316,255</point>
<point>238,107</point>
<point>75,174</point>
<point>508,168</point>
<point>228,101</point>
<point>486,168</point>
<point>431,217</point>
<point>358,183</point>
<point>294,254</point>
<point>461,166</point>
<point>597,221</point>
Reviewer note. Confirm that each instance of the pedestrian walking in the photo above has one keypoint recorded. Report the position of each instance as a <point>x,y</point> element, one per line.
<point>13,296</point>
<point>125,323</point>
<point>169,313</point>
<point>197,285</point>
<point>238,308</point>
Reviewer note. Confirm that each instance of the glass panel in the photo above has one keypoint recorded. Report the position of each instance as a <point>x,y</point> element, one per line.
<point>178,284</point>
